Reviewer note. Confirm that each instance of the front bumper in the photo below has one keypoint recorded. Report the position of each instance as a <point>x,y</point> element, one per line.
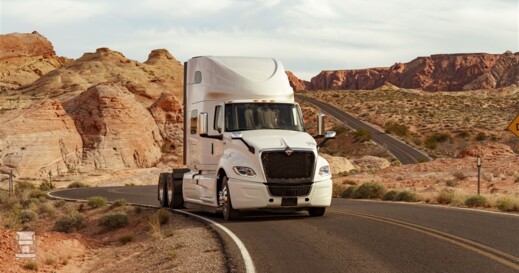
<point>254,195</point>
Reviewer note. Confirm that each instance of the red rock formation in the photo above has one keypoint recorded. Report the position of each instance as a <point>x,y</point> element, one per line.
<point>24,58</point>
<point>117,131</point>
<point>39,140</point>
<point>505,72</point>
<point>443,72</point>
<point>296,83</point>
<point>169,116</point>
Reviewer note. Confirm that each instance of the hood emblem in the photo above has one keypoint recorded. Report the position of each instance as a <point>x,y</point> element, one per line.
<point>288,151</point>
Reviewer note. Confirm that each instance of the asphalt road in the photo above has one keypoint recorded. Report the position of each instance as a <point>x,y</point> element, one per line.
<point>363,236</point>
<point>404,153</point>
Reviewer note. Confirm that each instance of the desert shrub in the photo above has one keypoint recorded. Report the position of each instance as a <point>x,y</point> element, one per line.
<point>481,136</point>
<point>137,209</point>
<point>46,209</point>
<point>32,265</point>
<point>507,203</point>
<point>125,239</point>
<point>442,137</point>
<point>131,184</point>
<point>338,190</point>
<point>445,197</point>
<point>431,142</point>
<point>408,196</point>
<point>362,135</point>
<point>369,191</point>
<point>451,183</point>
<point>119,203</point>
<point>47,186</point>
<point>163,216</point>
<point>476,201</point>
<point>463,134</point>
<point>348,193</point>
<point>114,221</point>
<point>340,129</point>
<point>97,202</point>
<point>13,220</point>
<point>59,203</point>
<point>37,193</point>
<point>27,216</point>
<point>23,186</point>
<point>459,175</point>
<point>77,185</point>
<point>396,129</point>
<point>516,180</point>
<point>70,222</point>
<point>390,195</point>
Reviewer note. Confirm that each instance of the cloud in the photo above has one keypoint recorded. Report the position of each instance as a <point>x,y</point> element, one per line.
<point>307,35</point>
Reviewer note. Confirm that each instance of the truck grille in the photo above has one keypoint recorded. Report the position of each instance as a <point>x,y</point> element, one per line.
<point>280,167</point>
<point>289,190</point>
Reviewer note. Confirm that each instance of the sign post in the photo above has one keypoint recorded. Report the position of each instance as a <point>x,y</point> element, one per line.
<point>479,173</point>
<point>11,186</point>
<point>514,126</point>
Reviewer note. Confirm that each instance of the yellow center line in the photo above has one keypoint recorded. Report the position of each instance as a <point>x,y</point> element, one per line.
<point>481,249</point>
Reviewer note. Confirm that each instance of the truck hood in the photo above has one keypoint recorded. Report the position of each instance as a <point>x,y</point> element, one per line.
<point>278,139</point>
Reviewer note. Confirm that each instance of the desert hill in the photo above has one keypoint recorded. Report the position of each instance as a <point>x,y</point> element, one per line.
<point>442,72</point>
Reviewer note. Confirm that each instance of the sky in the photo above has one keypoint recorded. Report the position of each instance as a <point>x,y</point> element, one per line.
<point>308,36</point>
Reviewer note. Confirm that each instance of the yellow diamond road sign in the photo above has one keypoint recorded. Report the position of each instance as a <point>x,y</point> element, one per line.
<point>514,126</point>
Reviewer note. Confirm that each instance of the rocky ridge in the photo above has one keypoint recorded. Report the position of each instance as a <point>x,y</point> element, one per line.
<point>441,72</point>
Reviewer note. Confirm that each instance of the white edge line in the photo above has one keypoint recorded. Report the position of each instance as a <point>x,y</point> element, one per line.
<point>247,259</point>
<point>249,265</point>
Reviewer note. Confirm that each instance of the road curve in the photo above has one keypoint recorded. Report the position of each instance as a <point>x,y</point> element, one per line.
<point>404,153</point>
<point>363,236</point>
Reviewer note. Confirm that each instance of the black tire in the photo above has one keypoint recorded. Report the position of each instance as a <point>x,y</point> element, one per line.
<point>314,212</point>
<point>177,200</point>
<point>162,191</point>
<point>229,213</point>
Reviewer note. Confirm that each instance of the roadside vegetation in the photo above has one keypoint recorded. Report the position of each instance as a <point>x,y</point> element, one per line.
<point>448,196</point>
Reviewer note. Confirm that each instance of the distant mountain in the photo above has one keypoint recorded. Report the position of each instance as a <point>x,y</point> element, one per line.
<point>442,72</point>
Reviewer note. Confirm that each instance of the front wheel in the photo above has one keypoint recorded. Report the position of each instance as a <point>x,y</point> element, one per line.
<point>163,190</point>
<point>229,213</point>
<point>316,211</point>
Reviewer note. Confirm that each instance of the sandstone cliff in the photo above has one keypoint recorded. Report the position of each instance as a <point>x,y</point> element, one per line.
<point>297,84</point>
<point>39,140</point>
<point>160,73</point>
<point>24,58</point>
<point>117,131</point>
<point>442,72</point>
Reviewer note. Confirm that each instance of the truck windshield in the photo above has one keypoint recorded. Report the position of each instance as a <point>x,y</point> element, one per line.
<point>256,116</point>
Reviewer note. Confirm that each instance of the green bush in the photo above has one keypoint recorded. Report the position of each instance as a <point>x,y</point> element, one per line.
<point>390,195</point>
<point>46,209</point>
<point>23,186</point>
<point>97,202</point>
<point>59,203</point>
<point>37,193</point>
<point>459,175</point>
<point>396,129</point>
<point>77,185</point>
<point>337,190</point>
<point>27,216</point>
<point>369,191</point>
<point>348,193</point>
<point>119,203</point>
<point>451,183</point>
<point>476,201</point>
<point>431,142</point>
<point>163,216</point>
<point>114,221</point>
<point>507,203</point>
<point>362,135</point>
<point>70,222</point>
<point>445,197</point>
<point>125,239</point>
<point>46,186</point>
<point>408,196</point>
<point>32,265</point>
<point>481,136</point>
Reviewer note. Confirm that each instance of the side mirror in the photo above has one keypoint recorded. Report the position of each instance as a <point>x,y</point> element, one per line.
<point>320,125</point>
<point>329,135</point>
<point>236,135</point>
<point>202,123</point>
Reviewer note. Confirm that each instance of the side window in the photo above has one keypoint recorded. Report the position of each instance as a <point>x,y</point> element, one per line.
<point>218,119</point>
<point>198,77</point>
<point>194,121</point>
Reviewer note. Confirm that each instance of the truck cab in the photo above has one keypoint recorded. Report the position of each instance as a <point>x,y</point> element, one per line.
<point>245,144</point>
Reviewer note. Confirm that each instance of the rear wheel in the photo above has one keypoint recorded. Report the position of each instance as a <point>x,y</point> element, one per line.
<point>162,190</point>
<point>316,211</point>
<point>229,213</point>
<point>176,200</point>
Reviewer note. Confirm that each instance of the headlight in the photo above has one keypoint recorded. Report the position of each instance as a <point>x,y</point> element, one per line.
<point>324,170</point>
<point>244,171</point>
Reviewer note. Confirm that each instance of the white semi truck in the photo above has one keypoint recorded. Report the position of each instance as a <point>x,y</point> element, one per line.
<point>245,145</point>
